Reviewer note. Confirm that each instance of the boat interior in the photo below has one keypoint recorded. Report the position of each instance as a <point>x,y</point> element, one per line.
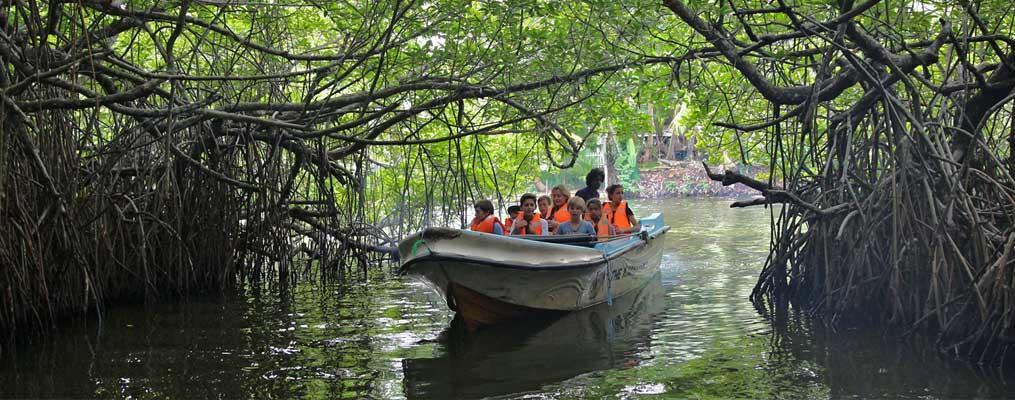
<point>650,227</point>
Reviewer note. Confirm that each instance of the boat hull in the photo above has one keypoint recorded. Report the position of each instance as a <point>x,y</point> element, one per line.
<point>478,310</point>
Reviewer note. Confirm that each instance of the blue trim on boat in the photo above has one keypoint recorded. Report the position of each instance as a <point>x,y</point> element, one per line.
<point>651,227</point>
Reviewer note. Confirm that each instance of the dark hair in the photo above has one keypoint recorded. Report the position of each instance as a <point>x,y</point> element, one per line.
<point>593,175</point>
<point>610,189</point>
<point>484,205</point>
<point>592,201</point>
<point>527,196</point>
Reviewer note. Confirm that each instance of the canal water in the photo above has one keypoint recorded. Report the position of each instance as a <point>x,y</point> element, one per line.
<point>691,332</point>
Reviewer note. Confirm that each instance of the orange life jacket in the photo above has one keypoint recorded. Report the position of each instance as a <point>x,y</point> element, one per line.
<point>511,220</point>
<point>602,226</point>
<point>562,215</point>
<point>536,225</point>
<point>618,216</point>
<point>487,224</point>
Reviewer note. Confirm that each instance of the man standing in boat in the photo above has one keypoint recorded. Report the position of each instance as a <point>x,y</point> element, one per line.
<point>593,181</point>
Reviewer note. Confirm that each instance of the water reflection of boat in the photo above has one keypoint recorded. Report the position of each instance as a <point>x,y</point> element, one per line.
<point>490,279</point>
<point>530,354</point>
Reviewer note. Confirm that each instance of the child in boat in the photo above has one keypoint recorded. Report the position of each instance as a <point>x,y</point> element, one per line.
<point>595,216</point>
<point>617,211</point>
<point>576,225</point>
<point>526,222</point>
<point>485,221</point>
<point>512,212</point>
<point>558,212</point>
<point>544,203</point>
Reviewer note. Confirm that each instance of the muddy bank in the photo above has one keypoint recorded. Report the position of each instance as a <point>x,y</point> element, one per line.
<point>688,178</point>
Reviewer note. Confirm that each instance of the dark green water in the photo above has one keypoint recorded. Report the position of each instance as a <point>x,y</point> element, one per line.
<point>690,333</point>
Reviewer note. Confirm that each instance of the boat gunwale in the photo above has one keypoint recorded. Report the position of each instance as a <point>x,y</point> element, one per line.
<point>404,269</point>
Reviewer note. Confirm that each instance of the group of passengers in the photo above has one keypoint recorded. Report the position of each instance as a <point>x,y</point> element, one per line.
<point>561,214</point>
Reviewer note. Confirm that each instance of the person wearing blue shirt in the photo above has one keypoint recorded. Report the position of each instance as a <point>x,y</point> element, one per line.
<point>576,226</point>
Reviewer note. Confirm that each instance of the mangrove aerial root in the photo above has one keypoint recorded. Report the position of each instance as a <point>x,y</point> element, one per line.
<point>893,168</point>
<point>150,152</point>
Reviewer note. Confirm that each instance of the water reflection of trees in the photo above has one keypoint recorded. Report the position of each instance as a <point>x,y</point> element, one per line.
<point>865,361</point>
<point>527,355</point>
<point>322,341</point>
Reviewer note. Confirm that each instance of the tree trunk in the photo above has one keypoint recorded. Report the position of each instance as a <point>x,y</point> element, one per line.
<point>674,126</point>
<point>976,109</point>
<point>611,156</point>
<point>1011,141</point>
<point>649,149</point>
<point>691,141</point>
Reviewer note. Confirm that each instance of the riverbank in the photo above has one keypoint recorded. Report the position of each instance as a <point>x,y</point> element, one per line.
<point>688,179</point>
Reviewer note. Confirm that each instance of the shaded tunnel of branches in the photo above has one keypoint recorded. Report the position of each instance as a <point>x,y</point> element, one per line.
<point>150,153</point>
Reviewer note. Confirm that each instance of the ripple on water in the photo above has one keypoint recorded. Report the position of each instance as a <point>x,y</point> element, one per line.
<point>644,388</point>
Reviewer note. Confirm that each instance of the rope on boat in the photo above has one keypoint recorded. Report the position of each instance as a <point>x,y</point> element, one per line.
<point>609,283</point>
<point>609,332</point>
<point>416,244</point>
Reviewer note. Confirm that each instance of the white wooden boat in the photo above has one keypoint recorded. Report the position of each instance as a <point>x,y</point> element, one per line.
<point>490,279</point>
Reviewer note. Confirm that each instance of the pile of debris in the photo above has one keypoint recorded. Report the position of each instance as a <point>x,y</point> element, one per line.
<point>688,178</point>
